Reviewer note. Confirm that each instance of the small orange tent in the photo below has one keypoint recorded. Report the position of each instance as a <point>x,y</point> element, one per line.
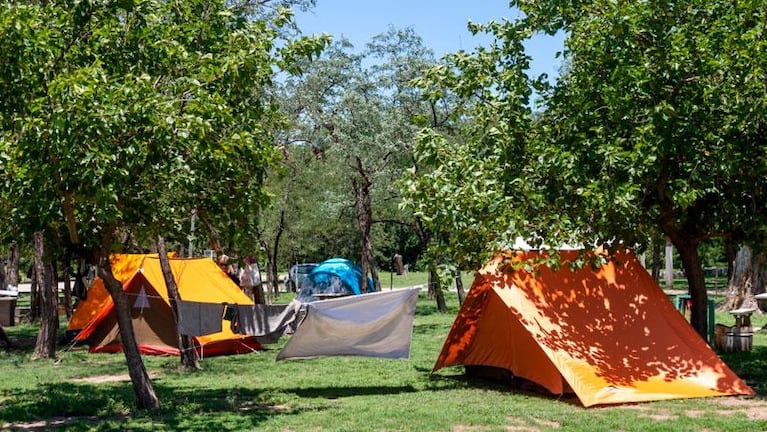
<point>609,334</point>
<point>198,280</point>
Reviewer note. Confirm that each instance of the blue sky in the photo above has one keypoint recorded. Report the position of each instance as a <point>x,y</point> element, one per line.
<point>440,23</point>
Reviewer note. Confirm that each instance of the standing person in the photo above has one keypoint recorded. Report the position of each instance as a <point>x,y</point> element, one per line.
<point>250,280</point>
<point>223,262</point>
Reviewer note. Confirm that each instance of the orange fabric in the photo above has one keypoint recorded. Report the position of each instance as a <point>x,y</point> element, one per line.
<point>610,333</point>
<point>124,266</point>
<point>199,280</point>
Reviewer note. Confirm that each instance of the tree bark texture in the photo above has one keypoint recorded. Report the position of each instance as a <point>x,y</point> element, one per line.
<point>142,385</point>
<point>656,261</point>
<point>364,211</point>
<point>45,345</point>
<point>12,269</point>
<point>749,277</point>
<point>34,297</point>
<point>272,283</point>
<point>729,252</point>
<point>258,287</point>
<point>271,271</point>
<point>67,288</point>
<point>669,272</point>
<point>3,282</point>
<point>688,253</point>
<point>436,288</point>
<point>459,287</point>
<point>187,351</point>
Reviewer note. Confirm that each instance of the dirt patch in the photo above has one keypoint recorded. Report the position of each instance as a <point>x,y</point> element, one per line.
<point>518,424</point>
<point>740,402</point>
<point>695,413</point>
<point>547,423</point>
<point>98,379</point>
<point>659,417</point>
<point>264,407</point>
<point>53,423</point>
<point>754,409</point>
<point>466,428</point>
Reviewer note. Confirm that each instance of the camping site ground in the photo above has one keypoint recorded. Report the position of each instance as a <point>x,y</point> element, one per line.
<point>82,391</point>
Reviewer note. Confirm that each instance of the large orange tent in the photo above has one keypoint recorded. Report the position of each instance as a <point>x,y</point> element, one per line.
<point>198,280</point>
<point>609,334</point>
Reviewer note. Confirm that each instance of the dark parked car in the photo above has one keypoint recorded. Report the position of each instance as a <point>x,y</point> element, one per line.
<point>297,275</point>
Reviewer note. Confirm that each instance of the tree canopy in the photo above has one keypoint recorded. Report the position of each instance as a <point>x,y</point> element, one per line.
<point>656,124</point>
<point>120,118</point>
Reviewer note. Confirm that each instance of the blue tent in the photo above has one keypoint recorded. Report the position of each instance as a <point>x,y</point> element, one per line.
<point>333,277</point>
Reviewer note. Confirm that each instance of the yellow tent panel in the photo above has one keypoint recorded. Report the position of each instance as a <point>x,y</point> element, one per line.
<point>199,280</point>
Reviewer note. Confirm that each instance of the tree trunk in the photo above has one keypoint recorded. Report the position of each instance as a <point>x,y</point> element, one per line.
<point>364,211</point>
<point>67,287</point>
<point>729,252</point>
<point>669,275</point>
<point>12,269</point>
<point>34,296</point>
<point>272,283</point>
<point>142,385</point>
<point>258,287</point>
<point>688,253</point>
<point>656,260</point>
<point>187,351</point>
<point>3,281</point>
<point>459,287</point>
<point>4,339</point>
<point>45,346</point>
<point>749,276</point>
<point>435,284</point>
<point>272,272</point>
<point>272,279</point>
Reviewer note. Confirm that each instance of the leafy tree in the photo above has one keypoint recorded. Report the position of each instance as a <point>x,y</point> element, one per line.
<point>121,118</point>
<point>469,187</point>
<point>658,123</point>
<point>355,118</point>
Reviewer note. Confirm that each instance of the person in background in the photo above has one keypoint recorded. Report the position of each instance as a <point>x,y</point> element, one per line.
<point>223,262</point>
<point>250,280</point>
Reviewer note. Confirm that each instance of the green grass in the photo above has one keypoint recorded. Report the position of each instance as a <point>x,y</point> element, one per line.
<point>417,278</point>
<point>254,392</point>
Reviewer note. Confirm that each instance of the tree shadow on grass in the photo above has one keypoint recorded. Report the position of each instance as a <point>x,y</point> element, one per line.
<point>429,307</point>
<point>751,367</point>
<point>428,328</point>
<point>501,384</point>
<point>76,406</point>
<point>22,337</point>
<point>338,392</point>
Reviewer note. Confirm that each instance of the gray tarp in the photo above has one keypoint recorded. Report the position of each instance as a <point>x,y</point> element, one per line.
<point>371,325</point>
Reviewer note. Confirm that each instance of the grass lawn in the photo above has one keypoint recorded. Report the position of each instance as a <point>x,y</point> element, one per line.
<point>410,279</point>
<point>82,391</point>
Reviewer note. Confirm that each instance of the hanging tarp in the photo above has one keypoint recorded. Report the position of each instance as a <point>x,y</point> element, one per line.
<point>370,325</point>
